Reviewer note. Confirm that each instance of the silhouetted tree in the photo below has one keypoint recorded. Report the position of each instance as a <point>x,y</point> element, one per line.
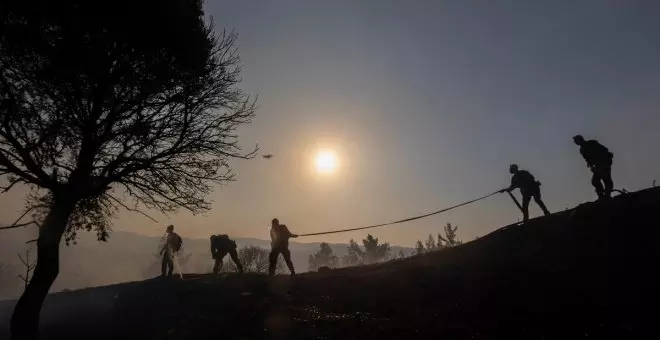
<point>254,260</point>
<point>430,243</point>
<point>355,255</point>
<point>100,99</point>
<point>419,248</point>
<point>324,257</point>
<point>441,242</point>
<point>450,239</point>
<point>374,252</point>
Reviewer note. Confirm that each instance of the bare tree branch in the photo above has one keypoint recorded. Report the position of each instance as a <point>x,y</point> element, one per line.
<point>29,266</point>
<point>162,130</point>
<point>120,203</point>
<point>19,225</point>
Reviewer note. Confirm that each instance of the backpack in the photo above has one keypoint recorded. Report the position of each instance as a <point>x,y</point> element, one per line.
<point>177,242</point>
<point>604,151</point>
<point>600,152</point>
<point>526,180</point>
<point>227,243</point>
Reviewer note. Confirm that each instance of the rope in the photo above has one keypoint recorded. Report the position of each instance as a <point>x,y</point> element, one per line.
<point>404,220</point>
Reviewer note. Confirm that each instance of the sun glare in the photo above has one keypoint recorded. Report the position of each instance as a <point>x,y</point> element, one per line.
<point>326,161</point>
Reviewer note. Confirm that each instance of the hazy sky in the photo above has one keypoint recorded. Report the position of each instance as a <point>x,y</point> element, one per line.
<point>427,103</point>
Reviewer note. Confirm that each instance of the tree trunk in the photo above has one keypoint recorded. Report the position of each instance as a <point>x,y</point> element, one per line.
<point>25,320</point>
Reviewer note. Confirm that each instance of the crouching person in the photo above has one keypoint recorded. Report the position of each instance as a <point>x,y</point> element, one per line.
<point>221,245</point>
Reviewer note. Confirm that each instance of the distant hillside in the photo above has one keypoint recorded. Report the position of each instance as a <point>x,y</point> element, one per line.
<point>588,273</point>
<point>125,257</point>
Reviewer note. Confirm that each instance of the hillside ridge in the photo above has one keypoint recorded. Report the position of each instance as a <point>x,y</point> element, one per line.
<point>580,272</point>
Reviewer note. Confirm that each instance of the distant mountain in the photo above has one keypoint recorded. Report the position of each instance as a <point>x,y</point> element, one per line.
<point>125,257</point>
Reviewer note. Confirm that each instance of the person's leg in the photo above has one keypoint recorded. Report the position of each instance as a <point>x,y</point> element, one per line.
<point>272,261</point>
<point>170,264</point>
<point>525,205</point>
<point>217,266</point>
<point>596,181</point>
<point>607,180</point>
<point>163,265</point>
<point>287,258</point>
<point>234,257</point>
<point>537,199</point>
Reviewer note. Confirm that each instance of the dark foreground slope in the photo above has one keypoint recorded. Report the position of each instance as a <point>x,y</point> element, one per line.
<point>588,272</point>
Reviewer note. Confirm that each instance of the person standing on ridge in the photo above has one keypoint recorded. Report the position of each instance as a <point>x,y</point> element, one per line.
<point>279,236</point>
<point>221,245</point>
<point>172,245</point>
<point>599,160</point>
<point>529,187</point>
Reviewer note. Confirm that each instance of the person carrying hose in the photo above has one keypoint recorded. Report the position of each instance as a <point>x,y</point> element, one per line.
<point>529,188</point>
<point>280,235</point>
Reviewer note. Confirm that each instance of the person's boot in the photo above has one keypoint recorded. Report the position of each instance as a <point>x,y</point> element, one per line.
<point>545,210</point>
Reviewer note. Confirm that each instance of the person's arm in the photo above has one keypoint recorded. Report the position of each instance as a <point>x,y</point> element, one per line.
<point>290,234</point>
<point>585,151</point>
<point>513,185</point>
<point>212,251</point>
<point>167,240</point>
<point>586,159</point>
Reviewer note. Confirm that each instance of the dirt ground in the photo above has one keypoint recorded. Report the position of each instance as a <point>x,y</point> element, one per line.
<point>583,273</point>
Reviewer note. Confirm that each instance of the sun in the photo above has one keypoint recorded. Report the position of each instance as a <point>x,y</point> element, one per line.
<point>326,161</point>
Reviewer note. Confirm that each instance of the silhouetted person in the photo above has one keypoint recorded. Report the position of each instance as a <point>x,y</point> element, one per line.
<point>529,187</point>
<point>172,245</point>
<point>221,245</point>
<point>279,236</point>
<point>599,160</point>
